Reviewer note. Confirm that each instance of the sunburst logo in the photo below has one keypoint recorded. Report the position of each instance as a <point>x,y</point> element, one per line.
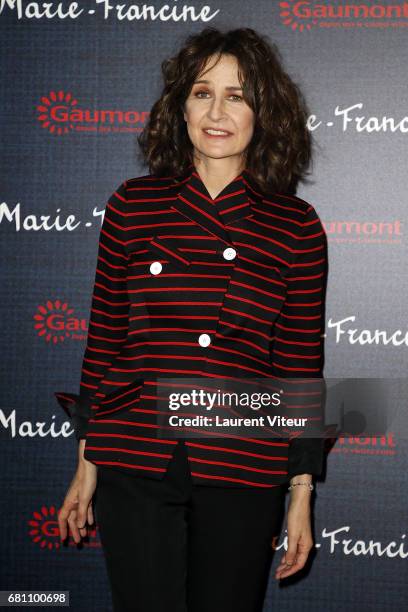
<point>60,113</point>
<point>293,19</point>
<point>55,110</point>
<point>44,530</point>
<point>55,322</point>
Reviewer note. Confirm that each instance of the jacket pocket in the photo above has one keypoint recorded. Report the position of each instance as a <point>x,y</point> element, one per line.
<point>168,249</point>
<point>121,399</point>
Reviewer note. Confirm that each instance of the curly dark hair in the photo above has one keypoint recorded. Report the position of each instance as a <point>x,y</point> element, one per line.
<point>280,150</point>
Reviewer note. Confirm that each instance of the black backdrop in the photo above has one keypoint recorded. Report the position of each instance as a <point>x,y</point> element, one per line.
<point>75,91</point>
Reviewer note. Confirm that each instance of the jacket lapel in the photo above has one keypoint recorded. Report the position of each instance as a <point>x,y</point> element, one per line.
<point>231,205</point>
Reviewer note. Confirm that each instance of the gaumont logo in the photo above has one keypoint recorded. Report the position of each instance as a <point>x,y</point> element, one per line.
<point>303,15</point>
<point>44,530</point>
<point>60,112</point>
<point>367,445</point>
<point>55,322</point>
<point>367,232</point>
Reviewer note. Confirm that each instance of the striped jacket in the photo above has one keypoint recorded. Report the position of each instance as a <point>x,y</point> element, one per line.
<point>190,286</point>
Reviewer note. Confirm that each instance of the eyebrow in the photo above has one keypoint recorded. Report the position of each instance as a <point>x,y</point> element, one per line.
<point>229,87</point>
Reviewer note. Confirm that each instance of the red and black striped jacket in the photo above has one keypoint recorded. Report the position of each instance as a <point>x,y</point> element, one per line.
<point>186,285</point>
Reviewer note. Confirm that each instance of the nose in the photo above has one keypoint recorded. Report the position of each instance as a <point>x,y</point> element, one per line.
<point>216,109</point>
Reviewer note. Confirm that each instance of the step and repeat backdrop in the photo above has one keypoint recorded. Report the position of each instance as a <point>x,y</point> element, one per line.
<point>77,82</point>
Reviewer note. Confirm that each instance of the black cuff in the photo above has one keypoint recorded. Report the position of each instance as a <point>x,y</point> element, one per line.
<point>78,410</point>
<point>306,456</point>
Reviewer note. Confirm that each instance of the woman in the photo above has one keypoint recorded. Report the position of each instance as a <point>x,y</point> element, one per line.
<point>208,266</point>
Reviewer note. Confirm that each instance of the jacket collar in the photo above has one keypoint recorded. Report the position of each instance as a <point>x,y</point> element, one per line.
<point>232,204</point>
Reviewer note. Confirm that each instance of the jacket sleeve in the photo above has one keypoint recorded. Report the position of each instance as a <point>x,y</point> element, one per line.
<point>108,318</point>
<point>298,342</point>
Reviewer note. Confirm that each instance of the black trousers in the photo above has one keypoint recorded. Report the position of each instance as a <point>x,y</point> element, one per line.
<point>171,546</point>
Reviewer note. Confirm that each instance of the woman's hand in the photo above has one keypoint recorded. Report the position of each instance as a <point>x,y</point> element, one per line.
<point>76,510</point>
<point>300,539</point>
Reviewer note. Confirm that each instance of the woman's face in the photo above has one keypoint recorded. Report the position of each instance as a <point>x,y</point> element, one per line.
<point>216,102</point>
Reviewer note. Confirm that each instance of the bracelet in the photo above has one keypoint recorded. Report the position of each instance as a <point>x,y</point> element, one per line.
<point>309,484</point>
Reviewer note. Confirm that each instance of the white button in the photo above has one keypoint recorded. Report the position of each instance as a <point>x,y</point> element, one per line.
<point>155,267</point>
<point>204,339</point>
<point>229,253</point>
